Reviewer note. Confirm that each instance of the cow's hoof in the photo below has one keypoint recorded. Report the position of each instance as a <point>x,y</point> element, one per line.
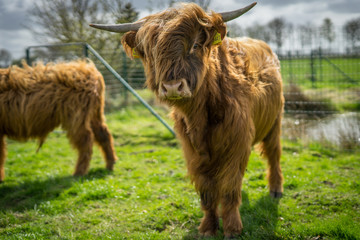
<point>208,234</point>
<point>79,173</point>
<point>209,226</point>
<point>276,194</point>
<point>232,236</point>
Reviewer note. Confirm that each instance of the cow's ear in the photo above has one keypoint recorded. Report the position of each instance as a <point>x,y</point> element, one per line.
<point>128,42</point>
<point>221,29</point>
<point>218,29</point>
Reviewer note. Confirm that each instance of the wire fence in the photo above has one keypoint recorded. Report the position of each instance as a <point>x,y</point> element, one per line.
<point>321,89</point>
<point>322,92</point>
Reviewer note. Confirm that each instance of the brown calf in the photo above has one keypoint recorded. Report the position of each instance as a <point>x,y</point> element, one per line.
<point>35,100</point>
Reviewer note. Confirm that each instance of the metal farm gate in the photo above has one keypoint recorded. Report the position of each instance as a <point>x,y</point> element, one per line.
<point>117,86</point>
<point>321,89</point>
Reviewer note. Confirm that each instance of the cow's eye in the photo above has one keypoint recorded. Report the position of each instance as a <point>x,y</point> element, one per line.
<point>196,46</point>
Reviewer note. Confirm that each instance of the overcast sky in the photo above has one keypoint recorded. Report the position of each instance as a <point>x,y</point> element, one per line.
<point>15,37</point>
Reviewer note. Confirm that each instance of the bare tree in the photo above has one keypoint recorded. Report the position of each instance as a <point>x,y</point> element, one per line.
<point>119,11</point>
<point>259,32</point>
<point>5,58</point>
<point>327,30</point>
<point>352,31</point>
<point>63,21</point>
<point>170,3</point>
<point>277,28</point>
<point>306,34</point>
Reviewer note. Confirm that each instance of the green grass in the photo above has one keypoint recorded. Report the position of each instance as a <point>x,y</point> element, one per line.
<point>331,73</point>
<point>148,196</point>
<point>333,80</point>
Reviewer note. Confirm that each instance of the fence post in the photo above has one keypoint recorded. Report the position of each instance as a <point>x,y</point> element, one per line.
<point>290,66</point>
<point>85,51</point>
<point>125,76</point>
<point>27,52</point>
<point>312,68</point>
<point>320,64</point>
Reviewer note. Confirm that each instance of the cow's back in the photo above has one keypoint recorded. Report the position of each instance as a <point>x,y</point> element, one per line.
<point>261,68</point>
<point>35,100</point>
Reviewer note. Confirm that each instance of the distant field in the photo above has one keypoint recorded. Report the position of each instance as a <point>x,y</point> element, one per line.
<point>149,196</point>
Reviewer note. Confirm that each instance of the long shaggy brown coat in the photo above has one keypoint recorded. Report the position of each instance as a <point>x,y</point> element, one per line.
<point>35,100</point>
<point>225,98</point>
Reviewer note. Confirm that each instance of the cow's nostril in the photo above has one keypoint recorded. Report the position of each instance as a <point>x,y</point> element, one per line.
<point>163,88</point>
<point>181,87</point>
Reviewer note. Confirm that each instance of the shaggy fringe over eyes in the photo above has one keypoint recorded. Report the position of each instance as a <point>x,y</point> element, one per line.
<point>165,39</point>
<point>185,16</point>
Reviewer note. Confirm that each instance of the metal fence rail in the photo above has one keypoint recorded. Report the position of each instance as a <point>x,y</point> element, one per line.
<point>86,48</point>
<point>322,92</point>
<point>320,88</point>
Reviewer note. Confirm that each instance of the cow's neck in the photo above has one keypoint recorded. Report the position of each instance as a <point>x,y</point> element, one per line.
<point>193,107</point>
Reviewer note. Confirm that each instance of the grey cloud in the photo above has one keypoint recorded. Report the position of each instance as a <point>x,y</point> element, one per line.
<point>149,4</point>
<point>280,3</point>
<point>12,19</point>
<point>2,7</point>
<point>348,6</point>
<point>343,6</point>
<point>20,4</point>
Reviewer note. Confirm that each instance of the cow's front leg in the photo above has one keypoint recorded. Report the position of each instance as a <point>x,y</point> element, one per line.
<point>230,214</point>
<point>209,204</point>
<point>231,200</point>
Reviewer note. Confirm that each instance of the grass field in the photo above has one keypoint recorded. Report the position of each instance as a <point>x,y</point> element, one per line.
<point>325,72</point>
<point>329,80</point>
<point>148,196</point>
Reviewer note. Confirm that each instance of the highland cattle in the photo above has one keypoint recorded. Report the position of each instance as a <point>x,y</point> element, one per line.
<point>225,94</point>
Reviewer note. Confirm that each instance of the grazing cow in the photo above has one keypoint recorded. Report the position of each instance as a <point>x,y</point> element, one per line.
<point>35,100</point>
<point>226,95</point>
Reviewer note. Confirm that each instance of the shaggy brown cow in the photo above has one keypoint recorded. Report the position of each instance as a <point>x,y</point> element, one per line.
<point>225,98</point>
<point>35,100</point>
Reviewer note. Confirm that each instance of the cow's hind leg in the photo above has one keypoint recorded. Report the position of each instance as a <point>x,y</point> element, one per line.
<point>271,147</point>
<point>209,204</point>
<point>105,140</point>
<point>82,139</point>
<point>2,158</point>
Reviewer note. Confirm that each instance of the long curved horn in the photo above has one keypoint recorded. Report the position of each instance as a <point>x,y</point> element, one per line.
<point>119,28</point>
<point>228,16</point>
<point>125,27</point>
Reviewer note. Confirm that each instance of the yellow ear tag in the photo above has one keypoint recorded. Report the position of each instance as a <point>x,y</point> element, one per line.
<point>135,53</point>
<point>217,39</point>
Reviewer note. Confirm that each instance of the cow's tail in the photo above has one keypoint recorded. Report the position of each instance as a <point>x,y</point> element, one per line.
<point>41,142</point>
